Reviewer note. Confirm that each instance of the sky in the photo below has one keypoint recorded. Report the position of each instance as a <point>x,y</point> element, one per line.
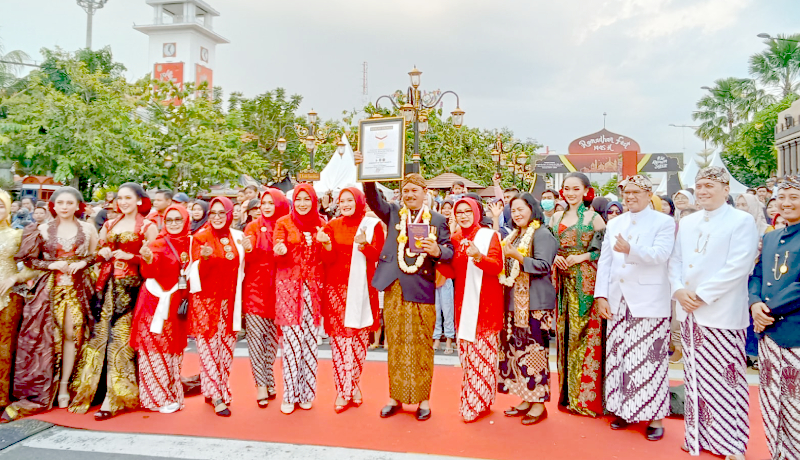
<point>547,70</point>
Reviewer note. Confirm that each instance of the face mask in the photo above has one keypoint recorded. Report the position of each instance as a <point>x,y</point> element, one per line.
<point>548,205</point>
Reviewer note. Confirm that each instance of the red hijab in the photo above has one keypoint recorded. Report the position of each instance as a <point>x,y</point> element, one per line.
<point>225,230</point>
<point>470,232</point>
<point>281,209</point>
<point>187,224</point>
<point>361,207</point>
<point>311,220</point>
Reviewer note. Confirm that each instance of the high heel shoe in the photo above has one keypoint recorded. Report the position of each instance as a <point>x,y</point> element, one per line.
<point>63,396</point>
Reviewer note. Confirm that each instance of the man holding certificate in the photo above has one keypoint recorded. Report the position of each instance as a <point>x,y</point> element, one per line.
<point>417,240</point>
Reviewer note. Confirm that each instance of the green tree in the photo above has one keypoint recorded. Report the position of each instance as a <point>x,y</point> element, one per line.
<point>192,144</point>
<point>706,155</point>
<point>730,102</point>
<point>10,66</point>
<point>83,137</point>
<point>752,157</point>
<point>779,65</point>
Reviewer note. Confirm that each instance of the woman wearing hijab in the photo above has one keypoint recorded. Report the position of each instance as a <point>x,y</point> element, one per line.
<point>350,303</point>
<point>258,294</point>
<point>477,262</point>
<point>298,239</point>
<point>683,199</point>
<point>667,206</point>
<point>56,319</point>
<point>11,303</point>
<point>750,204</point>
<point>600,206</point>
<point>159,331</point>
<point>215,313</point>
<point>614,210</point>
<point>199,215</point>
<point>117,288</point>
<point>530,301</point>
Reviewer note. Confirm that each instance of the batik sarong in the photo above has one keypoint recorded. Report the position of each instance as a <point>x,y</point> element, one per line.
<point>716,409</point>
<point>479,381</point>
<point>525,357</point>
<point>349,354</point>
<point>216,358</point>
<point>160,379</point>
<point>262,343</point>
<point>409,331</point>
<point>779,393</point>
<point>637,367</point>
<point>300,356</point>
<point>10,317</point>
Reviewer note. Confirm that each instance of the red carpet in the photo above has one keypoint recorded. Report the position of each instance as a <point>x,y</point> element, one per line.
<point>561,436</point>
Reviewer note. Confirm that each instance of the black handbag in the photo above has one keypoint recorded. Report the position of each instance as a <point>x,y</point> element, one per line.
<point>183,308</point>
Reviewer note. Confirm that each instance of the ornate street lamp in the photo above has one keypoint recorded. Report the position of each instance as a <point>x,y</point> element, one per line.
<point>90,6</point>
<point>416,108</point>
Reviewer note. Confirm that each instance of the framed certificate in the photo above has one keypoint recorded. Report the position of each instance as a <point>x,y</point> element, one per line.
<point>382,142</point>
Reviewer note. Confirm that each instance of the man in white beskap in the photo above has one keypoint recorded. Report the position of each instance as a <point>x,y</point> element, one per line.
<point>633,292</point>
<point>715,251</point>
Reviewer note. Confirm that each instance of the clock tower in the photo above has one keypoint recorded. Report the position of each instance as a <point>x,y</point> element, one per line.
<point>182,41</point>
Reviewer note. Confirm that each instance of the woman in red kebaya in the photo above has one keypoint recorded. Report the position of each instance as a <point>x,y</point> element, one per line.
<point>298,284</point>
<point>350,304</point>
<point>159,332</point>
<point>215,311</point>
<point>477,262</point>
<point>258,294</point>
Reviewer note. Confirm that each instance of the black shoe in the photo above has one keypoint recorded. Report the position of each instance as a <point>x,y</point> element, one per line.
<point>534,419</point>
<point>390,410</point>
<point>423,414</point>
<point>654,434</point>
<point>619,423</point>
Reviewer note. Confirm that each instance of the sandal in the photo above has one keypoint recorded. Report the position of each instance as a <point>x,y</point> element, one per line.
<point>263,403</point>
<point>287,408</point>
<point>448,351</point>
<point>102,415</point>
<point>63,396</point>
<point>339,408</point>
<point>221,409</point>
<point>358,401</point>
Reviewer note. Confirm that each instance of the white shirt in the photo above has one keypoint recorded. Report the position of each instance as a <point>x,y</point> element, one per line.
<point>715,252</point>
<point>641,277</point>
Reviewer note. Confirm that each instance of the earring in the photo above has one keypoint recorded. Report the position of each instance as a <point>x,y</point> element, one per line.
<point>139,203</point>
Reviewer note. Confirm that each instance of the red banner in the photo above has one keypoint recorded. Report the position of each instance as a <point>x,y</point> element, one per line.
<point>170,71</point>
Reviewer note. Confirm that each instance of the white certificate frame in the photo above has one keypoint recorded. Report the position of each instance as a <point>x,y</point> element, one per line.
<point>389,150</point>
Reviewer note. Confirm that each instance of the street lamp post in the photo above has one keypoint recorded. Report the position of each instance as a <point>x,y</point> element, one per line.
<point>311,136</point>
<point>518,160</point>
<point>683,133</point>
<point>769,37</point>
<point>416,109</point>
<point>90,6</point>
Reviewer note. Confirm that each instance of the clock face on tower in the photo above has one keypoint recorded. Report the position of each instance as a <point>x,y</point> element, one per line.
<point>203,54</point>
<point>169,50</point>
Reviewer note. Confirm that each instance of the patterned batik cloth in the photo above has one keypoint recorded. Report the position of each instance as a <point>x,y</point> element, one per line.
<point>300,356</point>
<point>110,346</point>
<point>10,317</point>
<point>159,379</point>
<point>262,343</point>
<point>637,367</point>
<point>216,357</point>
<point>525,357</point>
<point>349,354</point>
<point>479,381</point>
<point>409,333</point>
<point>780,398</point>
<point>717,401</point>
<point>580,328</point>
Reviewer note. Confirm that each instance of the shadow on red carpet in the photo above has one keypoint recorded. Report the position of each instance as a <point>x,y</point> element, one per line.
<point>561,436</point>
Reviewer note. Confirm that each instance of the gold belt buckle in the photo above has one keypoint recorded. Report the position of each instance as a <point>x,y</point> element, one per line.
<point>120,265</point>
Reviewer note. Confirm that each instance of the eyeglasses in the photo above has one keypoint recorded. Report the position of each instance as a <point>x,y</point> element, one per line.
<point>217,213</point>
<point>463,213</point>
<point>614,211</point>
<point>178,220</point>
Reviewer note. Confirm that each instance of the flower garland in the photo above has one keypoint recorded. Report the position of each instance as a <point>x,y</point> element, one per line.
<point>524,244</point>
<point>402,239</point>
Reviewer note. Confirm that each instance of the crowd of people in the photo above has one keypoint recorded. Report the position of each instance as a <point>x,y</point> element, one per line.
<point>99,309</point>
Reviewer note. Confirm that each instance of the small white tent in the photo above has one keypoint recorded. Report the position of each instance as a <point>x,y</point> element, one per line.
<point>690,170</point>
<point>341,172</point>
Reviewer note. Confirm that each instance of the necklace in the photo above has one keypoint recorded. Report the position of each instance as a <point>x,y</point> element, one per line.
<point>524,244</point>
<point>402,239</point>
<point>778,272</point>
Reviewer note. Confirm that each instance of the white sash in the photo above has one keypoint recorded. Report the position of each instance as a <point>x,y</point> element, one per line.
<point>358,311</point>
<point>162,309</point>
<point>195,285</point>
<point>470,304</point>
